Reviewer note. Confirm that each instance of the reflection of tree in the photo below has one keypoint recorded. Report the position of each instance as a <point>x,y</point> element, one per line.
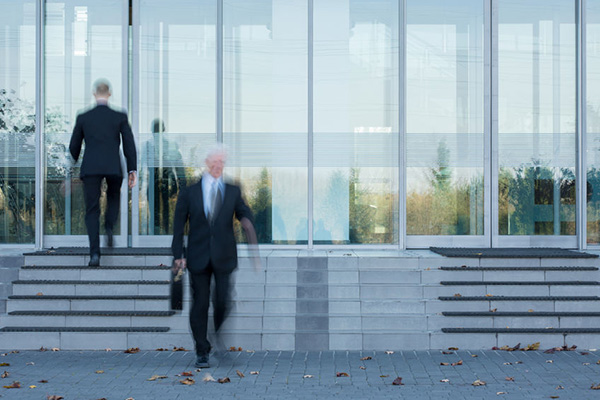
<point>361,218</point>
<point>260,203</point>
<point>17,191</point>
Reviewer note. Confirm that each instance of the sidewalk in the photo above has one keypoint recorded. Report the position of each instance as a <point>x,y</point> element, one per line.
<point>115,375</point>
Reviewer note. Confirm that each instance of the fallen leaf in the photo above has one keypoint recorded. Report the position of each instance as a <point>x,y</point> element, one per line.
<point>478,383</point>
<point>366,358</point>
<point>249,351</point>
<point>132,350</point>
<point>445,380</point>
<point>555,397</point>
<point>179,349</point>
<point>54,397</point>
<point>188,381</point>
<point>108,349</point>
<point>4,364</point>
<point>208,378</point>
<point>507,363</point>
<point>14,385</point>
<point>39,294</point>
<point>43,348</point>
<point>187,373</point>
<point>453,348</point>
<point>4,374</point>
<point>398,381</point>
<point>559,387</point>
<point>474,355</point>
<point>533,347</point>
<point>499,393</point>
<point>254,372</point>
<point>457,295</point>
<point>233,348</point>
<point>509,378</point>
<point>493,310</point>
<point>444,363</point>
<point>489,295</point>
<point>161,349</point>
<point>43,381</point>
<point>226,379</point>
<point>32,386</point>
<point>341,374</point>
<point>55,349</point>
<point>586,363</point>
<point>518,362</point>
<point>459,362</point>
<point>30,363</point>
<point>584,353</point>
<point>549,361</point>
<point>308,376</point>
<point>384,376</point>
<point>530,310</point>
<point>100,371</point>
<point>447,352</point>
<point>155,377</point>
<point>362,367</point>
<point>389,352</point>
<point>239,373</point>
<point>593,387</point>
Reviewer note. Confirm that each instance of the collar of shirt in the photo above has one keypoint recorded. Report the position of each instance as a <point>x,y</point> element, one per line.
<point>102,102</point>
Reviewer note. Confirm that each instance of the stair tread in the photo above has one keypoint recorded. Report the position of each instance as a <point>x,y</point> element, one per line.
<point>521,283</point>
<point>88,282</point>
<point>88,297</point>
<point>518,298</point>
<point>521,314</point>
<point>521,330</point>
<point>94,313</point>
<point>88,268</point>
<point>84,329</point>
<point>519,268</point>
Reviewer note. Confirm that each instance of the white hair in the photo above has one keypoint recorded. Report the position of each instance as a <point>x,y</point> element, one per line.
<point>216,149</point>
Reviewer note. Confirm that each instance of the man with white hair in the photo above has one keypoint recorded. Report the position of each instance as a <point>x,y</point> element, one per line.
<point>209,206</point>
<point>102,129</point>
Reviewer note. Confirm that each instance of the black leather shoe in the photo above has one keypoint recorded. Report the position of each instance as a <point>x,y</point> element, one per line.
<point>94,260</point>
<point>109,233</point>
<point>202,361</point>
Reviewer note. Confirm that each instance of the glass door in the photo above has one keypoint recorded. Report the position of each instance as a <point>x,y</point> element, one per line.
<point>84,40</point>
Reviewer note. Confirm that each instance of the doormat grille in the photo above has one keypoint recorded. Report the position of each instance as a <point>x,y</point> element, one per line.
<point>533,252</point>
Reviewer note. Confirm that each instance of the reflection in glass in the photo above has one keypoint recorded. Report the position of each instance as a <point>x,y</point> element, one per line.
<point>536,117</point>
<point>355,122</point>
<point>177,102</point>
<point>17,122</point>
<point>83,42</point>
<point>444,118</point>
<point>265,112</point>
<point>593,119</point>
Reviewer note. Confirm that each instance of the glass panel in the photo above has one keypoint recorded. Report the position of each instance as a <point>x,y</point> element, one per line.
<point>536,117</point>
<point>17,121</point>
<point>593,120</point>
<point>444,117</point>
<point>177,81</point>
<point>83,42</point>
<point>356,121</point>
<point>265,112</point>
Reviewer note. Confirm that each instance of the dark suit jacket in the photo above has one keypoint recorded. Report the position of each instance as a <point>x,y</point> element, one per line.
<point>206,243</point>
<point>102,129</point>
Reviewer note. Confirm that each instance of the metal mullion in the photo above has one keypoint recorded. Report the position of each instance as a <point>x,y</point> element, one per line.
<point>219,83</point>
<point>39,120</point>
<point>493,53</point>
<point>488,146</point>
<point>125,102</point>
<point>135,118</point>
<point>581,168</point>
<point>310,126</point>
<point>402,126</point>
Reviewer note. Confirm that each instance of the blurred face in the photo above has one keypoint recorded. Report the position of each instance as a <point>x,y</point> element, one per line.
<point>215,164</point>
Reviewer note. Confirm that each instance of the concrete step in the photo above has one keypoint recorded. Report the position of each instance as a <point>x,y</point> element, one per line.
<point>474,341</point>
<point>514,303</point>
<point>54,272</point>
<point>517,289</point>
<point>90,287</point>
<point>80,302</point>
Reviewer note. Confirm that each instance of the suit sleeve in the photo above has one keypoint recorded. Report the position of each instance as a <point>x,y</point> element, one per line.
<point>128,145</point>
<point>181,217</point>
<point>241,208</point>
<point>76,139</point>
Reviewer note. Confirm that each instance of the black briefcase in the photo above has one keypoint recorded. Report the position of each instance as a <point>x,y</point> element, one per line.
<point>176,288</point>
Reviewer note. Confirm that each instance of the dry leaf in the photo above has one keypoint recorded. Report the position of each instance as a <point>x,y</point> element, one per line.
<point>447,352</point>
<point>555,397</point>
<point>362,367</point>
<point>39,294</point>
<point>5,374</point>
<point>30,363</point>
<point>161,349</point>
<point>584,353</point>
<point>518,362</point>
<point>559,387</point>
<point>43,348</point>
<point>398,381</point>
<point>474,355</point>
<point>32,386</point>
<point>593,387</point>
<point>533,347</point>
<point>507,363</point>
<point>586,363</point>
<point>341,374</point>
<point>459,362</point>
<point>489,295</point>
<point>254,372</point>
<point>308,376</point>
<point>226,379</point>
<point>14,385</point>
<point>239,373</point>
<point>4,364</point>
<point>233,348</point>
<point>509,378</point>
<point>155,377</point>
<point>493,310</point>
<point>457,295</point>
<point>54,397</point>
<point>549,361</point>
<point>453,348</point>
<point>179,349</point>
<point>383,376</point>
<point>187,373</point>
<point>43,381</point>
<point>499,393</point>
<point>108,349</point>
<point>55,349</point>
<point>389,352</point>
<point>366,358</point>
<point>445,380</point>
<point>100,371</point>
<point>530,310</point>
<point>208,378</point>
<point>478,383</point>
<point>132,350</point>
<point>188,381</point>
<point>444,363</point>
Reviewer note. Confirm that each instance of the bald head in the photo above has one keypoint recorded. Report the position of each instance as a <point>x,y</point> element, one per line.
<point>102,89</point>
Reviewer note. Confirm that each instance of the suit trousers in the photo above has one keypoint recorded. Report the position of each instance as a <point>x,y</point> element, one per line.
<point>92,188</point>
<point>200,284</point>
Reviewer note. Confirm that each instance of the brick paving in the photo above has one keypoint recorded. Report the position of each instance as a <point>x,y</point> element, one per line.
<point>115,375</point>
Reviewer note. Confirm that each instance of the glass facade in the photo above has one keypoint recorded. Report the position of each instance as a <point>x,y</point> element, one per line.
<point>388,123</point>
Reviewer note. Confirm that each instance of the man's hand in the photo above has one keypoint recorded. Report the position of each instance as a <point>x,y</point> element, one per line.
<point>132,179</point>
<point>180,263</point>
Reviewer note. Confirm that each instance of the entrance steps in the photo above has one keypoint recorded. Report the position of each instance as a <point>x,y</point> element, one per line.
<point>338,300</point>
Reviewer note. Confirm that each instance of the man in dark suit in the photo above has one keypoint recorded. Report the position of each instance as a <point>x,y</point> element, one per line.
<point>102,129</point>
<point>209,206</point>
